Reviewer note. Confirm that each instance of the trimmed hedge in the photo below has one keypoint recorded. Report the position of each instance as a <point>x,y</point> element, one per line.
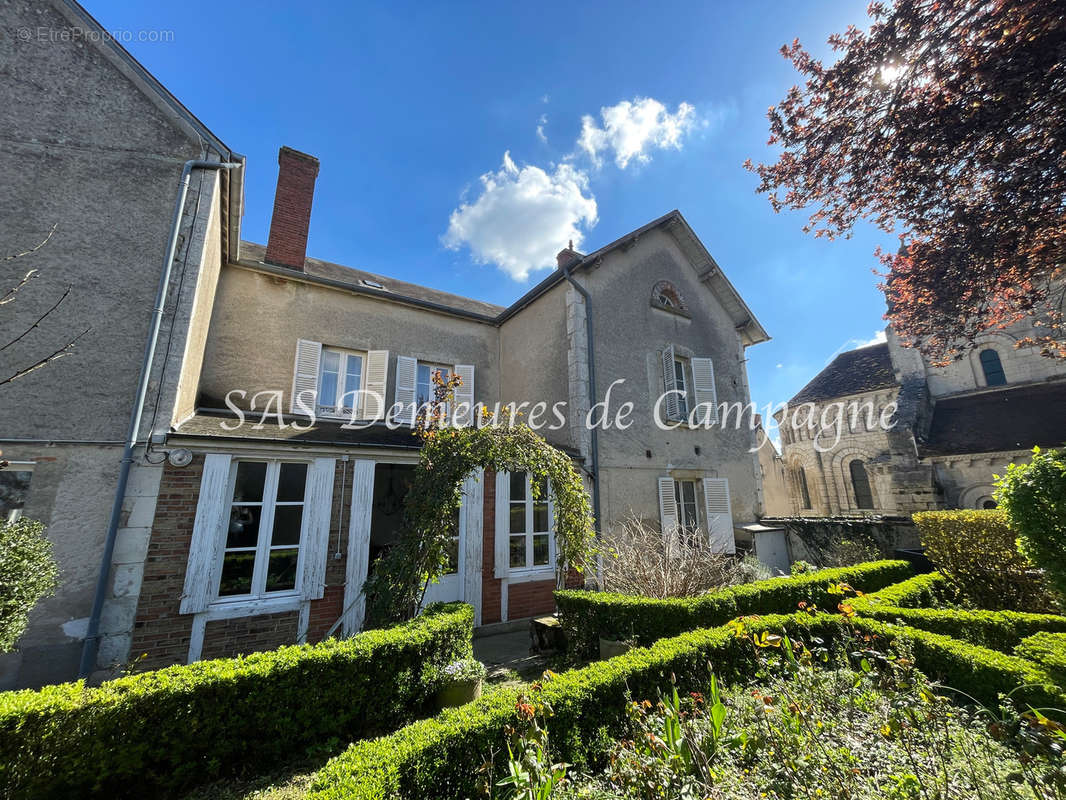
<point>439,757</point>
<point>1047,650</point>
<point>160,732</point>
<point>997,630</point>
<point>585,615</point>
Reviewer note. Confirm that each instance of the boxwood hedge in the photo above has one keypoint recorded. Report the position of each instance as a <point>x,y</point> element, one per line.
<point>998,630</point>
<point>1048,651</point>
<point>439,757</point>
<point>586,616</point>
<point>159,732</point>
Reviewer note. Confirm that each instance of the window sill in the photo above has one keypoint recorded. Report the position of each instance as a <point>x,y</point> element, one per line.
<point>232,609</point>
<point>531,574</point>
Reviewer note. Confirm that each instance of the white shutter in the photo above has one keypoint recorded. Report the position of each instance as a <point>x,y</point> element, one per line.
<point>358,564</point>
<point>464,395</point>
<point>673,409</point>
<point>502,540</point>
<point>305,377</point>
<point>703,388</point>
<point>209,532</point>
<point>318,509</point>
<point>719,515</point>
<point>377,379</point>
<point>667,507</point>
<point>406,387</point>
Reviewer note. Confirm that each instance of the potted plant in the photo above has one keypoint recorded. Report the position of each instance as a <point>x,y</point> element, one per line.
<point>460,682</point>
<point>612,645</point>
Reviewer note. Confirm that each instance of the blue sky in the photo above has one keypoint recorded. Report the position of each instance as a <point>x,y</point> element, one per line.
<point>409,105</point>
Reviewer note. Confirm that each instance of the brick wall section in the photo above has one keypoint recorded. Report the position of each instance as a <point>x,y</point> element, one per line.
<point>490,586</point>
<point>287,242</point>
<point>160,633</point>
<point>226,638</point>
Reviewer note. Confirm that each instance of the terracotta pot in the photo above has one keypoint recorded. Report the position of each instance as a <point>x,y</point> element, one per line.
<point>609,648</point>
<point>459,693</point>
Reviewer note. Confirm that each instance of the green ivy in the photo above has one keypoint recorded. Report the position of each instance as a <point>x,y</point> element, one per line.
<point>1033,496</point>
<point>160,732</point>
<point>399,579</point>
<point>28,572</point>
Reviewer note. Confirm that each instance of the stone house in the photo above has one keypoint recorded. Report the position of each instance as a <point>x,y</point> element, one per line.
<point>93,146</point>
<point>924,436</point>
<point>243,530</point>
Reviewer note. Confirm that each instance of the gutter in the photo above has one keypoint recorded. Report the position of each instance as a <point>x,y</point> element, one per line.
<point>92,634</point>
<point>594,439</point>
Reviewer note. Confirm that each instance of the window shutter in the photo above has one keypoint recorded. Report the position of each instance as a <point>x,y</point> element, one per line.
<point>719,515</point>
<point>673,409</point>
<point>667,506</point>
<point>305,377</point>
<point>406,387</point>
<point>464,395</point>
<point>502,539</point>
<point>703,388</point>
<point>208,535</point>
<point>318,503</point>
<point>377,379</point>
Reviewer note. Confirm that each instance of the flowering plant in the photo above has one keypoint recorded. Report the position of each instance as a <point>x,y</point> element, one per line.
<point>467,669</point>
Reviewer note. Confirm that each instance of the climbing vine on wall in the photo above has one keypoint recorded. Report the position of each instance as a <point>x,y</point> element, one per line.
<point>398,580</point>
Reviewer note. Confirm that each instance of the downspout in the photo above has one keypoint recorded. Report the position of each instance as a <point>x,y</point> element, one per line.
<point>92,633</point>
<point>594,439</point>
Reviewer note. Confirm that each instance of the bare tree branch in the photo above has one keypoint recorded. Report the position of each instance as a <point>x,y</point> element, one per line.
<point>7,298</point>
<point>40,319</point>
<point>32,249</point>
<point>58,354</point>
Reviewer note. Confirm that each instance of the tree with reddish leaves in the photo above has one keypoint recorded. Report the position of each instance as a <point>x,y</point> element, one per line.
<point>945,121</point>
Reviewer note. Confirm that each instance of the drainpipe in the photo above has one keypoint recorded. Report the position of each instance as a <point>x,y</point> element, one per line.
<point>92,634</point>
<point>594,439</point>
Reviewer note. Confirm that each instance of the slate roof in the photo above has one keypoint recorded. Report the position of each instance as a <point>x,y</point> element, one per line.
<point>1013,418</point>
<point>254,253</point>
<point>853,372</point>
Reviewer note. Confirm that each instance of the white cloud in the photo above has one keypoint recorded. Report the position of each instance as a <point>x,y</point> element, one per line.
<point>523,217</point>
<point>631,129</point>
<point>879,337</point>
<point>540,128</point>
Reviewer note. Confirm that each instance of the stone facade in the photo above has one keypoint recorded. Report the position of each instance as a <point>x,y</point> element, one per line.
<point>949,431</point>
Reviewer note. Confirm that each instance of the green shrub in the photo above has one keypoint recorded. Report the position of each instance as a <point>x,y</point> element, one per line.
<point>976,551</point>
<point>1047,650</point>
<point>1033,496</point>
<point>922,591</point>
<point>27,573</point>
<point>586,616</point>
<point>439,757</point>
<point>160,732</point>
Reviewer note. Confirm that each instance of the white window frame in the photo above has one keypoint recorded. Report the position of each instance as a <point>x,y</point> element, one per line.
<point>684,406</point>
<point>530,567</point>
<point>335,409</point>
<point>266,529</point>
<point>446,369</point>
<point>696,525</point>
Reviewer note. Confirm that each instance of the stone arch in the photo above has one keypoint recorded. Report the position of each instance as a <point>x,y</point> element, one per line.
<point>666,295</point>
<point>796,460</point>
<point>840,470</point>
<point>1002,343</point>
<point>973,496</point>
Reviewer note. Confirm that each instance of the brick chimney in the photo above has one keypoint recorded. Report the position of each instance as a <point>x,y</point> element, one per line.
<point>287,245</point>
<point>567,256</point>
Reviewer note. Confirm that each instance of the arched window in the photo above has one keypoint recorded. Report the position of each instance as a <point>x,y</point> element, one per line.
<point>993,368</point>
<point>860,482</point>
<point>805,493</point>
